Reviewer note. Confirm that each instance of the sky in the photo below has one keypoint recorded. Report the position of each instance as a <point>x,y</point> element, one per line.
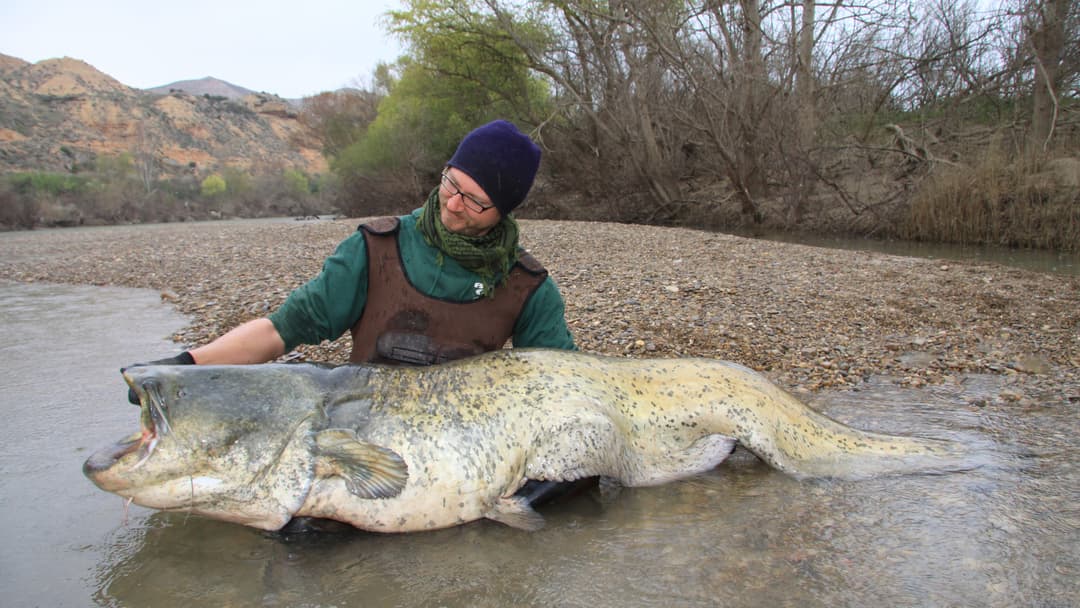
<point>292,49</point>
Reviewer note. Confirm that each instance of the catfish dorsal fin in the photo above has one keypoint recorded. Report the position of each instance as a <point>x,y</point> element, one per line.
<point>369,471</point>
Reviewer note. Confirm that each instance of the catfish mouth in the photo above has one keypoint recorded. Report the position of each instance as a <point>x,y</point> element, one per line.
<point>154,423</point>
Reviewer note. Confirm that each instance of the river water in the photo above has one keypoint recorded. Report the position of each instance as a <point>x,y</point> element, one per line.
<point>1054,262</point>
<point>1007,534</point>
<point>60,387</point>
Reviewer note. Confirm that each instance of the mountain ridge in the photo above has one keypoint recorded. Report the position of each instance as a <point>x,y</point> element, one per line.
<point>62,114</point>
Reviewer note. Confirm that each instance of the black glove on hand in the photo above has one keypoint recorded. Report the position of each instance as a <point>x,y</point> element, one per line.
<point>183,358</point>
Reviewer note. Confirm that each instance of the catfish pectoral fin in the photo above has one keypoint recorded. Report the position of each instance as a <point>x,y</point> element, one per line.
<point>516,513</point>
<point>369,471</point>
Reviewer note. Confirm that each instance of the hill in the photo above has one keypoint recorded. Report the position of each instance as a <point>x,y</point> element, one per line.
<point>203,86</point>
<point>62,114</point>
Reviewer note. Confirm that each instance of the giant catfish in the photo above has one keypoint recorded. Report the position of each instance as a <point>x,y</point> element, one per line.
<point>402,449</point>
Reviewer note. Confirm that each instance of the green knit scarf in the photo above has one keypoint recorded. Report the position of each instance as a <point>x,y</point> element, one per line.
<point>490,256</point>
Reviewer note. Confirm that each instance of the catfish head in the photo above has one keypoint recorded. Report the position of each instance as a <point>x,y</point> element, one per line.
<point>229,442</point>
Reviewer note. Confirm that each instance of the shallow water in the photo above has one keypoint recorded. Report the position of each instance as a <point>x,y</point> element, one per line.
<point>1007,534</point>
<point>1039,260</point>
<point>61,399</point>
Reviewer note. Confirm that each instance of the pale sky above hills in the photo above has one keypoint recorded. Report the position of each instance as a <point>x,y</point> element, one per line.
<point>292,49</point>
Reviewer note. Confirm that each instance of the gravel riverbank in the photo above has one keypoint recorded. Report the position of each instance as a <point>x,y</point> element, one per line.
<point>810,318</point>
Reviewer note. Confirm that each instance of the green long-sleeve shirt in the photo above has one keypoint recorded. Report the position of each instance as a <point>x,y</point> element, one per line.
<point>327,306</point>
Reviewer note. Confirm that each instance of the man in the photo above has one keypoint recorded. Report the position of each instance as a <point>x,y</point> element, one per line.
<point>444,282</point>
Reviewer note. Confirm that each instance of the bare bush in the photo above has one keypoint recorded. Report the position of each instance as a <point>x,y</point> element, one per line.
<point>385,193</point>
<point>17,211</point>
<point>679,112</point>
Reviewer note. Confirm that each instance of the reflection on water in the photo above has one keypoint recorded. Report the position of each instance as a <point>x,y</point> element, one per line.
<point>742,535</point>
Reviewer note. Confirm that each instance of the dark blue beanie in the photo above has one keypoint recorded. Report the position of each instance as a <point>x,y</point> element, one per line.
<point>502,160</point>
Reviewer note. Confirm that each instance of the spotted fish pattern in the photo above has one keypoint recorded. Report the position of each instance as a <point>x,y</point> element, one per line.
<point>397,449</point>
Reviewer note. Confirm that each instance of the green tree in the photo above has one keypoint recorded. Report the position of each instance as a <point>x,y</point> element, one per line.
<point>462,71</point>
<point>296,183</point>
<point>238,183</point>
<point>213,186</point>
<point>115,168</point>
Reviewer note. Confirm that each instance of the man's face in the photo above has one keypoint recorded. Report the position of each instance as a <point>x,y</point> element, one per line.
<point>459,215</point>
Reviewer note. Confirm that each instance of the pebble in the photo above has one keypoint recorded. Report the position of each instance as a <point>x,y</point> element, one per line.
<point>808,316</point>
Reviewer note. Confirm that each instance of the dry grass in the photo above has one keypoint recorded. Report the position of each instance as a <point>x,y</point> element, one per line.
<point>1018,204</point>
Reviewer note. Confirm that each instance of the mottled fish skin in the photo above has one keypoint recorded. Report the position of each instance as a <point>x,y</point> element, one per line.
<point>397,449</point>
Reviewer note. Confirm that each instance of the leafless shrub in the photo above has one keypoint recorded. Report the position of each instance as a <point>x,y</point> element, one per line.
<point>16,211</point>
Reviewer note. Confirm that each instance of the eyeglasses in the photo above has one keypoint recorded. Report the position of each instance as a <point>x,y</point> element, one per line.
<point>451,188</point>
